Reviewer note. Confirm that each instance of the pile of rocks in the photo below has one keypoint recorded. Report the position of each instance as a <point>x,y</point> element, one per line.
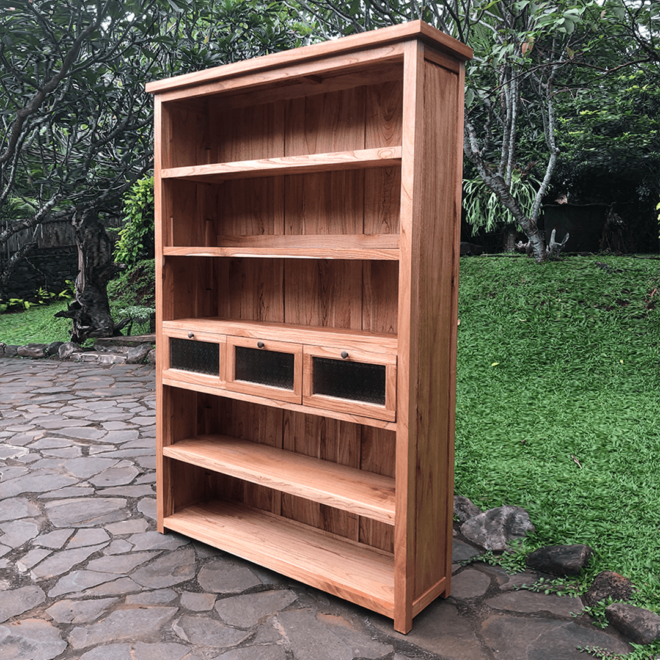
<point>100,354</point>
<point>496,528</point>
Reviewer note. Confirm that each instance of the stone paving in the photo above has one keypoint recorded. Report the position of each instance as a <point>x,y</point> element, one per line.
<point>85,576</point>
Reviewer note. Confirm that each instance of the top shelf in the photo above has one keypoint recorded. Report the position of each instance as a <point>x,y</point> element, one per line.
<point>340,160</point>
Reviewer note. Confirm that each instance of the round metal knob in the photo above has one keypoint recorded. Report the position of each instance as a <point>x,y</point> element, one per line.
<point>260,344</point>
<point>191,335</point>
<point>344,354</point>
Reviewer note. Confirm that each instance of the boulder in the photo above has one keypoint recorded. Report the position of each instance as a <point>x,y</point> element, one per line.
<point>464,509</point>
<point>151,356</point>
<point>11,350</point>
<point>637,624</point>
<point>137,354</point>
<point>608,584</point>
<point>493,529</point>
<point>54,347</point>
<point>2,348</point>
<point>66,350</point>
<point>560,560</point>
<point>33,350</point>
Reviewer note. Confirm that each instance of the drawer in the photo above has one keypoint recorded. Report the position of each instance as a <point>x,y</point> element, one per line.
<point>195,357</point>
<point>266,368</point>
<point>350,381</point>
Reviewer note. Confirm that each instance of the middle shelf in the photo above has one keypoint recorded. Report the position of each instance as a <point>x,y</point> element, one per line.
<point>350,489</point>
<point>340,160</point>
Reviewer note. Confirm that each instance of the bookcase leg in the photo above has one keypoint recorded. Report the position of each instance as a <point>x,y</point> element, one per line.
<point>403,619</point>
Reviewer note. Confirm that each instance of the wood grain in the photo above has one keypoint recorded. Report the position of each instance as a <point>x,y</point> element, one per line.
<point>174,378</point>
<point>408,329</point>
<point>325,481</point>
<point>258,389</point>
<point>362,41</point>
<point>438,289</point>
<point>289,253</point>
<point>356,573</point>
<point>315,162</point>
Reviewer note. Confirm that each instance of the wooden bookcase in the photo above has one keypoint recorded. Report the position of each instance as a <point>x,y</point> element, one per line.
<point>307,233</point>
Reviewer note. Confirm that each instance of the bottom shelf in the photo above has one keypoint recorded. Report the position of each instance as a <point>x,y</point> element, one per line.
<point>352,571</point>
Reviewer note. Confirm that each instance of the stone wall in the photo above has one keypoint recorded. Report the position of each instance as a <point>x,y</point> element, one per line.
<point>48,268</point>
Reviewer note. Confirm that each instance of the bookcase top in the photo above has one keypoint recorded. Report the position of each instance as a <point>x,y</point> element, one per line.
<point>345,45</point>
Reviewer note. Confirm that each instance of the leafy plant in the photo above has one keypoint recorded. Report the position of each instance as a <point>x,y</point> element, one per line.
<point>136,238</point>
<point>483,208</point>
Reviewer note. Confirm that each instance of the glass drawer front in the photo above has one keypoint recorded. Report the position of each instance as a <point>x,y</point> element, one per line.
<point>355,381</point>
<point>199,356</point>
<point>264,367</point>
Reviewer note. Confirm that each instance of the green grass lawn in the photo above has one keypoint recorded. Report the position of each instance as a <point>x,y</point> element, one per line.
<point>35,326</point>
<point>557,361</point>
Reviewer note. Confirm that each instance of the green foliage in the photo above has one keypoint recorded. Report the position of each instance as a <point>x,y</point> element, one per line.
<point>559,361</point>
<point>134,289</point>
<point>136,238</point>
<point>483,208</point>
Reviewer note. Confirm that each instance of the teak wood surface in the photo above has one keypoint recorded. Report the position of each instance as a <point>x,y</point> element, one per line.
<point>310,200</point>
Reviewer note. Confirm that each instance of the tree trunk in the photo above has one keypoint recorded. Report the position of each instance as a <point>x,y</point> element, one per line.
<point>91,310</point>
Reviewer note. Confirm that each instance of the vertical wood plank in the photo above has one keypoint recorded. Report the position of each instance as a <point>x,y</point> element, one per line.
<point>378,454</point>
<point>323,293</point>
<point>250,289</point>
<point>380,296</point>
<point>189,146</point>
<point>248,133</point>
<point>438,298</point>
<point>162,133</point>
<point>409,244</point>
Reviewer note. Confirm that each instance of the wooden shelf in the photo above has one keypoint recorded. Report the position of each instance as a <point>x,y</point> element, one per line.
<point>194,382</point>
<point>340,160</point>
<point>284,253</point>
<point>359,492</point>
<point>376,342</point>
<point>358,573</point>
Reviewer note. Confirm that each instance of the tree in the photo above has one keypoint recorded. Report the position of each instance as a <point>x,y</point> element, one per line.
<point>76,124</point>
<point>525,54</point>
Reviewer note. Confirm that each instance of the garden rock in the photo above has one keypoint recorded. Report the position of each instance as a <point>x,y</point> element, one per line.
<point>2,348</point>
<point>54,347</point>
<point>464,509</point>
<point>33,350</point>
<point>493,529</point>
<point>151,356</point>
<point>608,584</point>
<point>11,350</point>
<point>65,350</point>
<point>637,624</point>
<point>138,354</point>
<point>560,560</point>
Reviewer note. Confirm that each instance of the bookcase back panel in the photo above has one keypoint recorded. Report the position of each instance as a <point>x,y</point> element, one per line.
<point>190,288</point>
<point>349,202</point>
<point>332,440</point>
<point>190,146</point>
<point>250,289</point>
<point>341,114</point>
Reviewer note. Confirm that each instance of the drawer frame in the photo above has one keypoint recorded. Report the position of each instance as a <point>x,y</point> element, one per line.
<point>386,412</point>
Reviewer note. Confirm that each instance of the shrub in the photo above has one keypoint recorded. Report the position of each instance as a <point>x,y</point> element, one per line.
<point>136,238</point>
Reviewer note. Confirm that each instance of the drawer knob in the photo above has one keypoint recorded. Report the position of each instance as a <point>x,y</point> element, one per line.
<point>260,344</point>
<point>191,335</point>
<point>344,354</point>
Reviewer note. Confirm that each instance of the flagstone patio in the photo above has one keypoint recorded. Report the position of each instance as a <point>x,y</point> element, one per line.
<point>85,576</point>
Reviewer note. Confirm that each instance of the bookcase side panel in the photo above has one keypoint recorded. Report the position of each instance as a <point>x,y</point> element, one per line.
<point>438,290</point>
<point>409,239</point>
